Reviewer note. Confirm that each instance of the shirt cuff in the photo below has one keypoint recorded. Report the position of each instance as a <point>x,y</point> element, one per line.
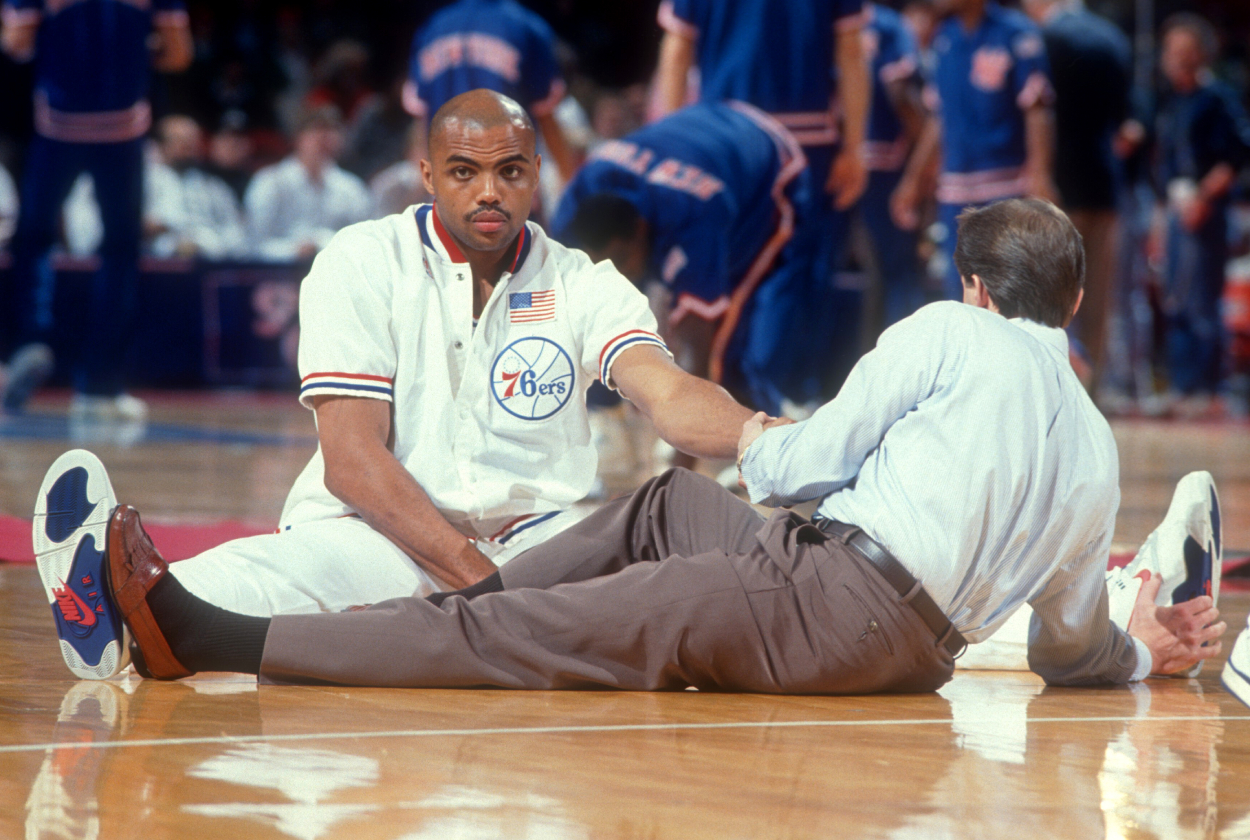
<point>1145,662</point>
<point>752,474</point>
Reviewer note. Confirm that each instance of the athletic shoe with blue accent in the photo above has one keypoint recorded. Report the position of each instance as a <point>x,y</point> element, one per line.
<point>1186,550</point>
<point>1236,676</point>
<point>71,520</point>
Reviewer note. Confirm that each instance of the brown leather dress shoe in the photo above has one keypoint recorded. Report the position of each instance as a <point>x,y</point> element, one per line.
<point>134,567</point>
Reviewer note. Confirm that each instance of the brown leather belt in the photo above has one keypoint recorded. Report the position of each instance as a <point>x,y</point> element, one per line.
<point>898,577</point>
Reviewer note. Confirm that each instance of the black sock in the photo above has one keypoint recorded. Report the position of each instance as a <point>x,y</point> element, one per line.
<point>491,583</point>
<point>204,637</point>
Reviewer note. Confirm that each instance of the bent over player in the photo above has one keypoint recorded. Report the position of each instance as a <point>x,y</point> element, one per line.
<point>682,584</point>
<point>704,201</point>
<point>446,352</point>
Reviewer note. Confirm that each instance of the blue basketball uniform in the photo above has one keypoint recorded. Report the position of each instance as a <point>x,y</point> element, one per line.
<point>892,54</point>
<point>983,82</point>
<point>92,70</point>
<point>92,65</point>
<point>781,58</point>
<point>717,184</point>
<point>740,55</point>
<point>495,44</point>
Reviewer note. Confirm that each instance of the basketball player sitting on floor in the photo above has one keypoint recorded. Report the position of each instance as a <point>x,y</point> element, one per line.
<point>446,351</point>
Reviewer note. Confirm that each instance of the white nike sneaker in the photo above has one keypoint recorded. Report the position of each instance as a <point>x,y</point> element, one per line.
<point>71,520</point>
<point>1186,550</point>
<point>1236,676</point>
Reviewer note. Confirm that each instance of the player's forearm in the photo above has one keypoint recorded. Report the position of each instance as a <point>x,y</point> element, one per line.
<point>176,49</point>
<point>1216,183</point>
<point>390,500</point>
<point>905,98</point>
<point>925,154</point>
<point>854,88</point>
<point>701,419</point>
<point>363,473</point>
<point>566,158</point>
<point>676,59</point>
<point>1039,139</point>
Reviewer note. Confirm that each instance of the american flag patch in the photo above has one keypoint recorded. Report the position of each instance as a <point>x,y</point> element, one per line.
<point>528,307</point>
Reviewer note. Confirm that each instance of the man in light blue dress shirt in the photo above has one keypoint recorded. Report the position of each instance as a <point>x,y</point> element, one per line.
<point>962,471</point>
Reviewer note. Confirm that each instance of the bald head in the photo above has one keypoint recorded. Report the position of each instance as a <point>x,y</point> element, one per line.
<point>479,111</point>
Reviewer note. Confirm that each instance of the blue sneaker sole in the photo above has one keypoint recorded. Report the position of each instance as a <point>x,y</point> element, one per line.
<point>69,530</point>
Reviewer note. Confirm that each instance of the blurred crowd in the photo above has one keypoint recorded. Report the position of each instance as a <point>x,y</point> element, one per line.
<point>295,120</point>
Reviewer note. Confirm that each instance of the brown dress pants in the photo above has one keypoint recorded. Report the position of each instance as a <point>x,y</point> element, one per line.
<point>680,584</point>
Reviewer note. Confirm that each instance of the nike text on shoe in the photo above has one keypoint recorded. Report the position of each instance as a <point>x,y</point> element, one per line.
<point>71,520</point>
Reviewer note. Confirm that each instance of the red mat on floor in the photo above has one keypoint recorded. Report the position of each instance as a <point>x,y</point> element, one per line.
<point>176,542</point>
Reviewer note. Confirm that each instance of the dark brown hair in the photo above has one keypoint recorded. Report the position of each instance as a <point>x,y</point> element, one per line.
<point>1028,255</point>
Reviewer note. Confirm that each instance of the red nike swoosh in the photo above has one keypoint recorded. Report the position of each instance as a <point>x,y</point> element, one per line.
<point>86,614</point>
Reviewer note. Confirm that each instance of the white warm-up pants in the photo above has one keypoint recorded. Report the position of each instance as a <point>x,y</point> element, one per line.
<point>326,566</point>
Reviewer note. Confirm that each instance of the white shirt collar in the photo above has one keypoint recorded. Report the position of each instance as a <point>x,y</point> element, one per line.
<point>1053,336</point>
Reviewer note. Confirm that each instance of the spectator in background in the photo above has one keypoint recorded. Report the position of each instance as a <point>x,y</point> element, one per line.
<point>990,120</point>
<point>1203,138</point>
<point>894,122</point>
<point>291,57</point>
<point>399,186</point>
<point>230,153</point>
<point>8,207</point>
<point>296,205</point>
<point>380,135</point>
<point>341,79</point>
<point>189,213</point>
<point>494,44</point>
<point>1091,69</point>
<point>92,67</point>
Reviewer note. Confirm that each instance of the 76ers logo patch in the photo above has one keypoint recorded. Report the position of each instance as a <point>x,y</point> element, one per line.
<point>532,378</point>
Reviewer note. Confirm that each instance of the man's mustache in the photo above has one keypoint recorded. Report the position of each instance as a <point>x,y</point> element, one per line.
<point>479,211</point>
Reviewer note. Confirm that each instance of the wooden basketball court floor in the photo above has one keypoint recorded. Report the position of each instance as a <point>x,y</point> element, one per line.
<point>992,755</point>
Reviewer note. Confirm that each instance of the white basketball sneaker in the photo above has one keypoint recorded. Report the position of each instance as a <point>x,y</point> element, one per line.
<point>1186,550</point>
<point>71,521</point>
<point>1236,676</point>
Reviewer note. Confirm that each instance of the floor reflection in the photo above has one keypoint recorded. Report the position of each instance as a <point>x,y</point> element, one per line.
<point>63,800</point>
<point>1154,776</point>
<point>1160,779</point>
<point>86,776</point>
<point>307,777</point>
<point>993,755</point>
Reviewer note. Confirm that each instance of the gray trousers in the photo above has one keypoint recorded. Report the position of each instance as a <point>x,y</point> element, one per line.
<point>679,584</point>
